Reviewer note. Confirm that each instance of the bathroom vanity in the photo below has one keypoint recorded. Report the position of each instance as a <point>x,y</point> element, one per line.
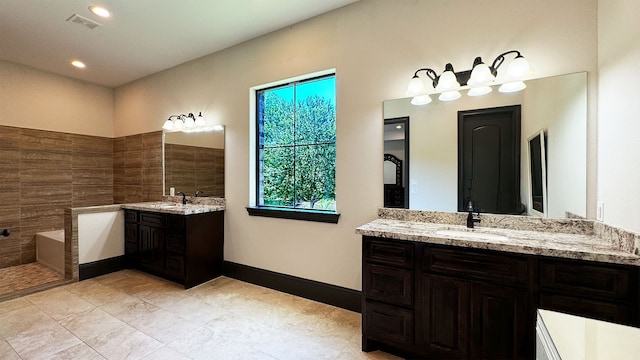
<point>433,290</point>
<point>176,242</point>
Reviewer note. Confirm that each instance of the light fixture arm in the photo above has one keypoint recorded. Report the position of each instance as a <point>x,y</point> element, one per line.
<point>500,59</point>
<point>431,74</point>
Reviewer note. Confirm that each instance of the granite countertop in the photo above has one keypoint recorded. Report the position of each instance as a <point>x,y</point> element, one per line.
<point>173,208</point>
<point>565,245</point>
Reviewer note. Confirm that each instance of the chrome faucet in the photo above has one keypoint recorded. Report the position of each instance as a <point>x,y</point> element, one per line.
<point>471,219</point>
<point>199,192</point>
<point>184,197</point>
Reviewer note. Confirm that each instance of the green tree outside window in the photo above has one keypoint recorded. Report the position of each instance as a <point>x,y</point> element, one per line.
<point>297,145</point>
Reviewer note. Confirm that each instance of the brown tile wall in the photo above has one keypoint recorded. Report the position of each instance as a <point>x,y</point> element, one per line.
<point>190,168</point>
<point>41,174</point>
<point>137,168</point>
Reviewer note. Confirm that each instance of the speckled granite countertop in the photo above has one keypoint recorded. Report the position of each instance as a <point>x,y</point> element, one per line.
<point>173,208</point>
<point>556,244</point>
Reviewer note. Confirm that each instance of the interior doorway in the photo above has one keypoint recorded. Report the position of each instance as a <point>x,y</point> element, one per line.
<point>489,160</point>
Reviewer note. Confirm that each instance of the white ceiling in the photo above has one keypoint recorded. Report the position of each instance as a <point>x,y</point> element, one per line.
<point>142,37</point>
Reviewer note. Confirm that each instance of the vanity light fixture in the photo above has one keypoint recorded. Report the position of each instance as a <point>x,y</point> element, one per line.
<point>188,123</point>
<point>478,80</point>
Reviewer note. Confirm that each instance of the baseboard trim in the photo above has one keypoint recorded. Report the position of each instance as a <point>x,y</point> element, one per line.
<point>101,267</point>
<point>329,294</point>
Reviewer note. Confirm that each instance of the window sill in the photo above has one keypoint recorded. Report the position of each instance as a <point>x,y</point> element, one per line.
<point>294,214</point>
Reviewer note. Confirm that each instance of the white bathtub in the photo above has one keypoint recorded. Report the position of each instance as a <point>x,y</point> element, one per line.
<point>50,249</point>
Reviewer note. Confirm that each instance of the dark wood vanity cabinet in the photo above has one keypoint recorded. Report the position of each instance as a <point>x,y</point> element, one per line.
<point>184,248</point>
<point>444,302</point>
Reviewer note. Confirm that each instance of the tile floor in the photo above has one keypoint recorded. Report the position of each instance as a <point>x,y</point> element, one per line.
<point>132,315</point>
<point>23,279</point>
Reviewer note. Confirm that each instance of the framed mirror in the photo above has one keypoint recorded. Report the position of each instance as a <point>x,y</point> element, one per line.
<point>396,162</point>
<point>557,104</point>
<point>194,162</point>
<point>537,174</point>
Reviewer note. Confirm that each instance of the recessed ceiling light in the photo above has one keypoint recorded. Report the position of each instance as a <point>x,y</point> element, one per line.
<point>100,11</point>
<point>79,64</point>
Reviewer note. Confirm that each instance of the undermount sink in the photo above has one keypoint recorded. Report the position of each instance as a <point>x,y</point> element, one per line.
<point>472,234</point>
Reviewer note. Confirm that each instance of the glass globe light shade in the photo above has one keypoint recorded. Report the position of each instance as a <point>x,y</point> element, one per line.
<point>479,91</point>
<point>480,75</point>
<point>200,122</point>
<point>189,122</point>
<point>421,100</point>
<point>168,125</point>
<point>178,124</point>
<point>449,95</point>
<point>447,81</point>
<point>518,68</point>
<point>512,87</point>
<point>416,87</point>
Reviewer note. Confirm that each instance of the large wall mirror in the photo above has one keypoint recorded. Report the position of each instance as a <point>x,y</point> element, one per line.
<point>557,104</point>
<point>194,162</point>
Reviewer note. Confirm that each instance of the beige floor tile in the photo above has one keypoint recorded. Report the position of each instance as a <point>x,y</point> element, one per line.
<point>11,305</point>
<point>124,342</point>
<point>129,309</point>
<point>96,293</point>
<point>165,353</point>
<point>59,303</point>
<point>91,323</point>
<point>7,351</point>
<point>22,320</point>
<point>42,341</point>
<point>163,325</point>
<point>81,351</point>
<point>132,315</point>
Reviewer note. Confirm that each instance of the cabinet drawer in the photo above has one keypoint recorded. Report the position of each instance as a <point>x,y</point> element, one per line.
<point>388,284</point>
<point>175,222</point>
<point>130,216</point>
<point>580,306</point>
<point>175,243</point>
<point>510,269</point>
<point>175,265</point>
<point>388,252</point>
<point>591,280</point>
<point>389,324</point>
<point>151,219</point>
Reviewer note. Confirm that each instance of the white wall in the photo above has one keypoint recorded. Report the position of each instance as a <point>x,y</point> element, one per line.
<point>375,46</point>
<point>563,116</point>
<point>619,112</point>
<point>100,236</point>
<point>35,99</point>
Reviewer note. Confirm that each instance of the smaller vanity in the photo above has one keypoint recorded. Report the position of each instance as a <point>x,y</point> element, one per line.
<point>434,289</point>
<point>182,243</point>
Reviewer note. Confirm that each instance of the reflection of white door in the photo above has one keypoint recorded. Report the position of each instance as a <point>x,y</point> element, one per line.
<point>389,173</point>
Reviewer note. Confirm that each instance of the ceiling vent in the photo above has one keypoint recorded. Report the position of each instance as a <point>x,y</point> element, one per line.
<point>75,18</point>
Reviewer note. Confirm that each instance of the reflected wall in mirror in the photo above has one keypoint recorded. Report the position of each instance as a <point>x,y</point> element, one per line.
<point>557,104</point>
<point>194,162</point>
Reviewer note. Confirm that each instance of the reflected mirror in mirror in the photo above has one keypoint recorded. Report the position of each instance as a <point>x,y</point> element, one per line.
<point>396,155</point>
<point>557,104</point>
<point>194,162</point>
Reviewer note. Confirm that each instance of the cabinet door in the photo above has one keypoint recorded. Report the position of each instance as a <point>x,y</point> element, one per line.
<point>445,317</point>
<point>501,323</point>
<point>151,253</point>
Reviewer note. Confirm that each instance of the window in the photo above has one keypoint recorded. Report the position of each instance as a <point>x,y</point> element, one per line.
<point>296,148</point>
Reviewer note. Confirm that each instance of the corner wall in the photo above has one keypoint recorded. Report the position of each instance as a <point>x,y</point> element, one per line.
<point>619,112</point>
